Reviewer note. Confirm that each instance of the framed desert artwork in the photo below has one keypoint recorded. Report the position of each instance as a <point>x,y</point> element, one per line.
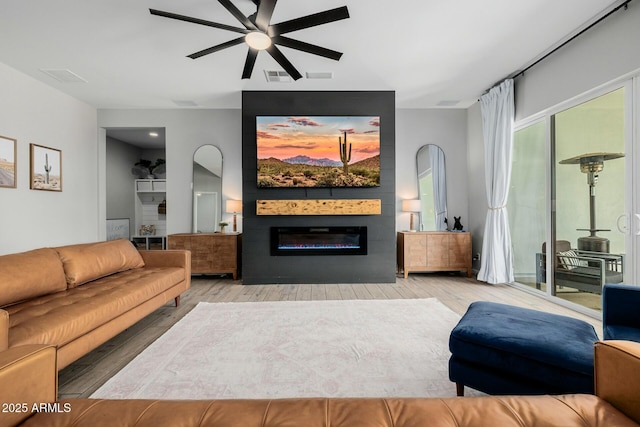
<point>7,162</point>
<point>46,168</point>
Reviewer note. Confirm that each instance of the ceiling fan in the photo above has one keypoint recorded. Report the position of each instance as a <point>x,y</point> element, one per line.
<point>259,34</point>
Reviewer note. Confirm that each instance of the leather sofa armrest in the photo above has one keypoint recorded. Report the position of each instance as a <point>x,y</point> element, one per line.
<point>4,330</point>
<point>617,375</point>
<point>169,258</point>
<point>28,376</point>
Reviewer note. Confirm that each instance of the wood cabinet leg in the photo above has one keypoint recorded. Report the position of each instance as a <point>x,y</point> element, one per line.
<point>177,300</point>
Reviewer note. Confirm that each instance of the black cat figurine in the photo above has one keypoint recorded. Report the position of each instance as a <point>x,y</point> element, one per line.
<point>457,225</point>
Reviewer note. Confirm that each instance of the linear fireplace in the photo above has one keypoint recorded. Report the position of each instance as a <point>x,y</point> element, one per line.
<point>318,241</point>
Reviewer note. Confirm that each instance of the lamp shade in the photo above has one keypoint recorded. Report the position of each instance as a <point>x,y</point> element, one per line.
<point>233,206</point>
<point>411,205</point>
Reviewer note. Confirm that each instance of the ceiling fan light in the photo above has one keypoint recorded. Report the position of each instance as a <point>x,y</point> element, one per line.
<point>258,40</point>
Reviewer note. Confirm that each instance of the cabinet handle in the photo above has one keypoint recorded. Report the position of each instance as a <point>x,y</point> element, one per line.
<point>624,230</point>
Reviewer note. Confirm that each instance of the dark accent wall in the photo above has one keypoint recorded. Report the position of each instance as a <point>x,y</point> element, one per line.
<point>379,265</point>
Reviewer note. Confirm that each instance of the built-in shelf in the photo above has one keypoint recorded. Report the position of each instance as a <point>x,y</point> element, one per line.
<point>149,193</point>
<point>319,207</point>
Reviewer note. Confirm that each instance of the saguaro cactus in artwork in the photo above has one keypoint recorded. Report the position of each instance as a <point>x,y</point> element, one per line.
<point>47,168</point>
<point>345,157</point>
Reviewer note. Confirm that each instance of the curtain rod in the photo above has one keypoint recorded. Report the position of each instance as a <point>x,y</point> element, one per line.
<point>517,73</point>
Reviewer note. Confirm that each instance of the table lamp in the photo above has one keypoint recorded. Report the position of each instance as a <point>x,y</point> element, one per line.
<point>412,206</point>
<point>234,207</point>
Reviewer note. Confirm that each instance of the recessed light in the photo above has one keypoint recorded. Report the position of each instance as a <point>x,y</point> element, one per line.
<point>153,134</point>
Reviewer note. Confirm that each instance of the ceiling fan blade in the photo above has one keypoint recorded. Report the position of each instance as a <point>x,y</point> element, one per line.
<point>319,18</point>
<point>238,15</point>
<point>197,21</point>
<point>216,48</point>
<point>249,63</point>
<point>284,62</point>
<point>307,47</point>
<point>265,11</point>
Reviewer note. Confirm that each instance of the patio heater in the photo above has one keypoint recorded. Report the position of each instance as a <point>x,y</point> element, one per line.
<point>592,164</point>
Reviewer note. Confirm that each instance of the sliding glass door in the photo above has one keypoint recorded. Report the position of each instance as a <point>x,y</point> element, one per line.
<point>574,197</point>
<point>590,196</point>
<point>527,202</point>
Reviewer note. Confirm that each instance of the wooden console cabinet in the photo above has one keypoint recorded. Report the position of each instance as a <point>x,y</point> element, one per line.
<point>211,253</point>
<point>434,251</point>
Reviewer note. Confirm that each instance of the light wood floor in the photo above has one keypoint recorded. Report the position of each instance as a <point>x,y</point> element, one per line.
<point>87,374</point>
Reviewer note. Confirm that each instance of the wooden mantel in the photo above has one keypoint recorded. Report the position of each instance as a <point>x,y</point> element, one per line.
<point>319,207</point>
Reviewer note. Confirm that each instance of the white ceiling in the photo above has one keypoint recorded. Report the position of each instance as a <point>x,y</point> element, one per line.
<point>428,51</point>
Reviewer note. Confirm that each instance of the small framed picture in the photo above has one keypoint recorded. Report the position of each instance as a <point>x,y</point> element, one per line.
<point>7,162</point>
<point>46,168</point>
<point>118,228</point>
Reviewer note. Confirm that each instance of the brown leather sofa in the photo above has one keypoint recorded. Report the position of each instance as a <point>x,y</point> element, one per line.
<point>77,297</point>
<point>28,398</point>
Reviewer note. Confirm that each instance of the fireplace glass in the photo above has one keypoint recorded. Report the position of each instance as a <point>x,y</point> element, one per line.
<point>318,241</point>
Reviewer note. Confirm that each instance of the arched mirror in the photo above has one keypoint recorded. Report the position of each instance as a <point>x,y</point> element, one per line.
<point>207,189</point>
<point>432,186</point>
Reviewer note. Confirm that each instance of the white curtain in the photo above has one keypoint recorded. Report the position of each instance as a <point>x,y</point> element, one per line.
<point>497,127</point>
<point>436,158</point>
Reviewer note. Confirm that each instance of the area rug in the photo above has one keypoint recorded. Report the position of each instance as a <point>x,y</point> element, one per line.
<point>265,350</point>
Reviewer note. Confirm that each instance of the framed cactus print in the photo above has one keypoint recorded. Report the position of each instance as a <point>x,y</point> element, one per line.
<point>318,151</point>
<point>46,168</point>
<point>7,162</point>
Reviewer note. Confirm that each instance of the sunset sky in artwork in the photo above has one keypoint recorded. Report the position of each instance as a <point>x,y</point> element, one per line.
<point>317,136</point>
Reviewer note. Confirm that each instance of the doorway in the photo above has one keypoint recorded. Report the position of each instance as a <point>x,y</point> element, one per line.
<point>135,181</point>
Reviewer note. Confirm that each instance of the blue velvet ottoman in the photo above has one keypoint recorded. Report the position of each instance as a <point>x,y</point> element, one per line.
<point>502,349</point>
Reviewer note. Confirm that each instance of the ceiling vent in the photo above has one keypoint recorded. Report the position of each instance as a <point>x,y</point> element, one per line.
<point>277,76</point>
<point>185,103</point>
<point>320,75</point>
<point>64,76</point>
<point>447,103</point>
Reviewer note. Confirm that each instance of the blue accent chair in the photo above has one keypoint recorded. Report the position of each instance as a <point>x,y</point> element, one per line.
<point>621,312</point>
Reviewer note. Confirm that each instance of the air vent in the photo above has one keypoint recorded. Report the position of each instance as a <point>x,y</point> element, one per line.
<point>278,76</point>
<point>447,103</point>
<point>185,103</point>
<point>320,75</point>
<point>64,76</point>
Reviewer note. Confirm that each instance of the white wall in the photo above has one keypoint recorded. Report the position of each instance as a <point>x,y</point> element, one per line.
<point>186,130</point>
<point>32,112</point>
<point>602,54</point>
<point>120,183</point>
<point>477,195</point>
<point>446,128</point>
<point>607,51</point>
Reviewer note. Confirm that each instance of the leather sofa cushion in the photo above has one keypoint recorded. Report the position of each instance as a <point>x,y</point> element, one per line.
<point>64,316</point>
<point>566,411</point>
<point>30,274</point>
<point>90,261</point>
